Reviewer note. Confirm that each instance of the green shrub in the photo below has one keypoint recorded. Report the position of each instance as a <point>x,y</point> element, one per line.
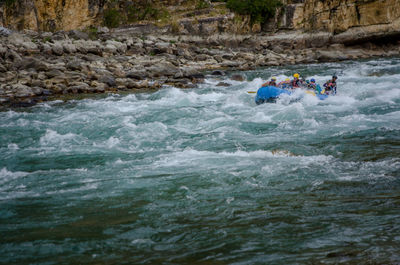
<point>258,10</point>
<point>111,18</point>
<point>202,4</point>
<point>144,11</point>
<point>7,2</point>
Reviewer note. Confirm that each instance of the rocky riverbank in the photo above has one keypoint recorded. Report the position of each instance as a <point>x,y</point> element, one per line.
<point>35,67</point>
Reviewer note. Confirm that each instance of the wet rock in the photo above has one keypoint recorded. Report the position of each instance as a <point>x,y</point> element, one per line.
<point>223,84</point>
<point>238,77</point>
<point>218,73</point>
<point>192,73</point>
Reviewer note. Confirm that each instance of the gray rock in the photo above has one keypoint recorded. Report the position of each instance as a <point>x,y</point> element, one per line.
<point>223,84</point>
<point>54,73</point>
<point>5,31</point>
<point>202,57</point>
<point>57,49</point>
<point>118,46</point>
<point>218,72</point>
<point>138,75</point>
<point>3,69</point>
<point>60,35</point>
<point>69,48</point>
<point>33,63</point>
<point>162,69</point>
<point>102,30</point>
<point>21,91</point>
<point>29,45</point>
<point>192,73</point>
<point>237,77</point>
<point>109,80</point>
<point>74,65</point>
<point>78,35</point>
<point>37,91</point>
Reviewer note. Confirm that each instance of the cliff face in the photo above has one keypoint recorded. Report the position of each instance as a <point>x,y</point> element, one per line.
<point>338,16</point>
<point>368,17</point>
<point>51,15</point>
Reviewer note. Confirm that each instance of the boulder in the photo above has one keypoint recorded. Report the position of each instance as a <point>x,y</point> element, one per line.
<point>223,84</point>
<point>57,49</point>
<point>78,35</point>
<point>162,69</point>
<point>102,30</point>
<point>69,48</point>
<point>118,46</point>
<point>37,91</point>
<point>192,73</point>
<point>33,63</point>
<point>74,65</point>
<point>238,77</point>
<point>108,79</point>
<point>218,73</point>
<point>5,31</point>
<point>53,73</point>
<point>138,75</point>
<point>21,91</point>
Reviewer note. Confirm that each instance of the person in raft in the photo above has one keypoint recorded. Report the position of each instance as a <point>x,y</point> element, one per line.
<point>330,86</point>
<point>285,84</point>
<point>314,86</point>
<point>296,82</point>
<point>272,82</point>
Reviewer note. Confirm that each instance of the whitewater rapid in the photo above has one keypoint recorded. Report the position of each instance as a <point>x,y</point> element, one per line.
<point>206,175</point>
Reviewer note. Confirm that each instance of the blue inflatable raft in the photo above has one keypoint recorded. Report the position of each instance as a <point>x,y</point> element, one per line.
<point>271,93</point>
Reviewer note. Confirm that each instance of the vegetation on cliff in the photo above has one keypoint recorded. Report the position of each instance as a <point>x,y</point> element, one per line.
<point>258,10</point>
<point>120,12</point>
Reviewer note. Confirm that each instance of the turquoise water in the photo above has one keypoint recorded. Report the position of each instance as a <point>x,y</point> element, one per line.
<point>205,176</point>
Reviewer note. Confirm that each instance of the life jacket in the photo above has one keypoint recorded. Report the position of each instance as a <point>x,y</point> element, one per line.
<point>295,83</point>
<point>272,83</point>
<point>312,85</point>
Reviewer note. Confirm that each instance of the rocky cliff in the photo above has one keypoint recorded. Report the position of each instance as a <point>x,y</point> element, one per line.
<point>350,21</point>
<point>51,15</point>
<point>360,18</point>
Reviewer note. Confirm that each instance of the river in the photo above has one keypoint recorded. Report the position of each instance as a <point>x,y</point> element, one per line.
<point>205,176</point>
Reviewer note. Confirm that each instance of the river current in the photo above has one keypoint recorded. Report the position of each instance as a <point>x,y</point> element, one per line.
<point>205,176</point>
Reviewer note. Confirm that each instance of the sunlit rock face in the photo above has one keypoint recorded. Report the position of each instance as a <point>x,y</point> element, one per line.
<point>333,16</point>
<point>338,16</point>
<point>51,15</point>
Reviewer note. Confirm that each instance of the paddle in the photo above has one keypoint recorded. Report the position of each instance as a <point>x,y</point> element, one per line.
<point>251,92</point>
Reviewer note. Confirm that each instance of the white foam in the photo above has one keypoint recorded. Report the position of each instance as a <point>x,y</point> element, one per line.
<point>6,175</point>
<point>13,146</point>
<point>53,138</point>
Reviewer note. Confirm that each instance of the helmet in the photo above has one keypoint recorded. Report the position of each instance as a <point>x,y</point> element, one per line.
<point>312,80</point>
<point>296,75</point>
<point>334,76</point>
<point>273,78</point>
<point>287,79</point>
